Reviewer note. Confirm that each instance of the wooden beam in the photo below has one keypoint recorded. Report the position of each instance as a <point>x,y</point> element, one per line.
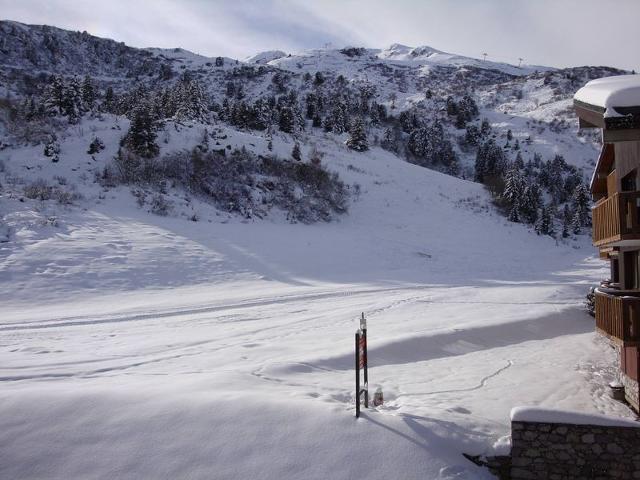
<point>591,117</point>
<point>630,135</point>
<point>582,123</point>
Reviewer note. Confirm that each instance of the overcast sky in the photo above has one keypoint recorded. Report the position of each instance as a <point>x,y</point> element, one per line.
<point>546,32</point>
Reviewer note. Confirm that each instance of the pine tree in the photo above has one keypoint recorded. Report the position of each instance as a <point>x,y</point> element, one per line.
<point>472,135</point>
<point>295,153</point>
<point>485,127</point>
<point>54,96</point>
<point>108,105</point>
<point>514,213</point>
<point>286,120</point>
<point>141,137</point>
<point>576,224</point>
<point>72,100</point>
<point>88,93</point>
<point>388,141</point>
<point>530,204</point>
<point>514,188</point>
<point>490,162</point>
<point>357,136</point>
<point>544,225</point>
<point>581,205</point>
<point>566,221</point>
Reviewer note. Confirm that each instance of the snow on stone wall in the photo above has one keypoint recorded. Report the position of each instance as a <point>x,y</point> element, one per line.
<point>562,451</point>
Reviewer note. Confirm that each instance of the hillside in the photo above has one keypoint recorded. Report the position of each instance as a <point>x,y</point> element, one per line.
<point>181,302</point>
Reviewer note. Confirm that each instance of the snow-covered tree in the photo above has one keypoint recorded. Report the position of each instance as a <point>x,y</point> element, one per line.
<point>581,206</point>
<point>296,154</point>
<point>141,137</point>
<point>544,225</point>
<point>357,136</point>
<point>96,146</point>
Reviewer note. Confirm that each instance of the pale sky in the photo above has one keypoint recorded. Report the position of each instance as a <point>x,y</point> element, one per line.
<point>545,32</point>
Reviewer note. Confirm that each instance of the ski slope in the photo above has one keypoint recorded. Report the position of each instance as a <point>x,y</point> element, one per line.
<point>137,346</point>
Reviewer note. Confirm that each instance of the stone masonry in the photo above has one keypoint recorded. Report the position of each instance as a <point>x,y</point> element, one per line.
<point>558,451</point>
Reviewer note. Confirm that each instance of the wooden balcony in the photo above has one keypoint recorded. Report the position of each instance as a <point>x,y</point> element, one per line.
<point>618,317</point>
<point>615,219</point>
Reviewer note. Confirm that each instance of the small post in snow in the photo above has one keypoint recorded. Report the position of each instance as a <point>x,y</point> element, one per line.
<point>362,364</point>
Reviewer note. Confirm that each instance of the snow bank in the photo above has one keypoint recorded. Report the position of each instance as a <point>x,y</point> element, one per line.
<point>106,433</point>
<point>611,92</point>
<point>263,58</point>
<point>549,415</point>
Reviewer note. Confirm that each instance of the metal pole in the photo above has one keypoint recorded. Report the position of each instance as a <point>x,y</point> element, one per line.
<point>366,370</point>
<point>357,375</point>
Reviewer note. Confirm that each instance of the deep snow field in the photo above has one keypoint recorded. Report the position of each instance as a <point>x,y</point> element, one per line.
<point>138,346</point>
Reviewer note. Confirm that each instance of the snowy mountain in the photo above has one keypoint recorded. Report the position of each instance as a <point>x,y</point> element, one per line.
<point>186,244</point>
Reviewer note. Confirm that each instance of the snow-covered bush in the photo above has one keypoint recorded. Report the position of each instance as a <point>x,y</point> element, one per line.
<point>243,183</point>
<point>38,190</point>
<point>52,149</point>
<point>590,302</point>
<point>160,205</point>
<point>41,190</point>
<point>96,146</point>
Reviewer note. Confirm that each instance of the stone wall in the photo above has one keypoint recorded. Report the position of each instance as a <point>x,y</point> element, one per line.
<point>630,391</point>
<point>557,451</point>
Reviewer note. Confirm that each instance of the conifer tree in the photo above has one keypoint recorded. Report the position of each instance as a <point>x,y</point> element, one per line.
<point>54,96</point>
<point>581,203</point>
<point>296,154</point>
<point>530,204</point>
<point>141,137</point>
<point>286,120</point>
<point>514,189</point>
<point>109,103</point>
<point>357,136</point>
<point>544,225</point>
<point>566,221</point>
<point>88,93</point>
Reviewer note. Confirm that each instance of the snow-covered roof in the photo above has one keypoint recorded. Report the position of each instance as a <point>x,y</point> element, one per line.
<point>549,415</point>
<point>611,93</point>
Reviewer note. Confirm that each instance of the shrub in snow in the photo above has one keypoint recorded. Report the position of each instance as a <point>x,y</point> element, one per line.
<point>38,190</point>
<point>52,149</point>
<point>135,169</point>
<point>160,205</point>
<point>590,302</point>
<point>243,183</point>
<point>41,190</point>
<point>353,51</point>
<point>96,146</point>
<point>295,153</point>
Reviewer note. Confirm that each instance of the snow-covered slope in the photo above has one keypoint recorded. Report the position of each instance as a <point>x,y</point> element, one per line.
<point>135,346</point>
<point>430,56</point>
<point>203,344</point>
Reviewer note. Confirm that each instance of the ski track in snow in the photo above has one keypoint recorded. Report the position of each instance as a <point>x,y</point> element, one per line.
<point>220,349</point>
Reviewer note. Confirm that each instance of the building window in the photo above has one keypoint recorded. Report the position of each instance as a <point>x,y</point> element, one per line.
<point>631,270</point>
<point>615,270</point>
<point>628,182</point>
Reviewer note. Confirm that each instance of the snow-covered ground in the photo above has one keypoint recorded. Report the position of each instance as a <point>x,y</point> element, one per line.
<point>139,346</point>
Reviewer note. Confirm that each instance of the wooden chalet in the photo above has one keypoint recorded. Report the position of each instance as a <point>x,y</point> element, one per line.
<point>613,105</point>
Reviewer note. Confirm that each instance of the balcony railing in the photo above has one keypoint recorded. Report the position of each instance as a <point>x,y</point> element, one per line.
<point>618,317</point>
<point>616,218</point>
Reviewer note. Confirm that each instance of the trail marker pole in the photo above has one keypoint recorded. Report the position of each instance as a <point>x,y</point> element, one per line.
<point>362,363</point>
